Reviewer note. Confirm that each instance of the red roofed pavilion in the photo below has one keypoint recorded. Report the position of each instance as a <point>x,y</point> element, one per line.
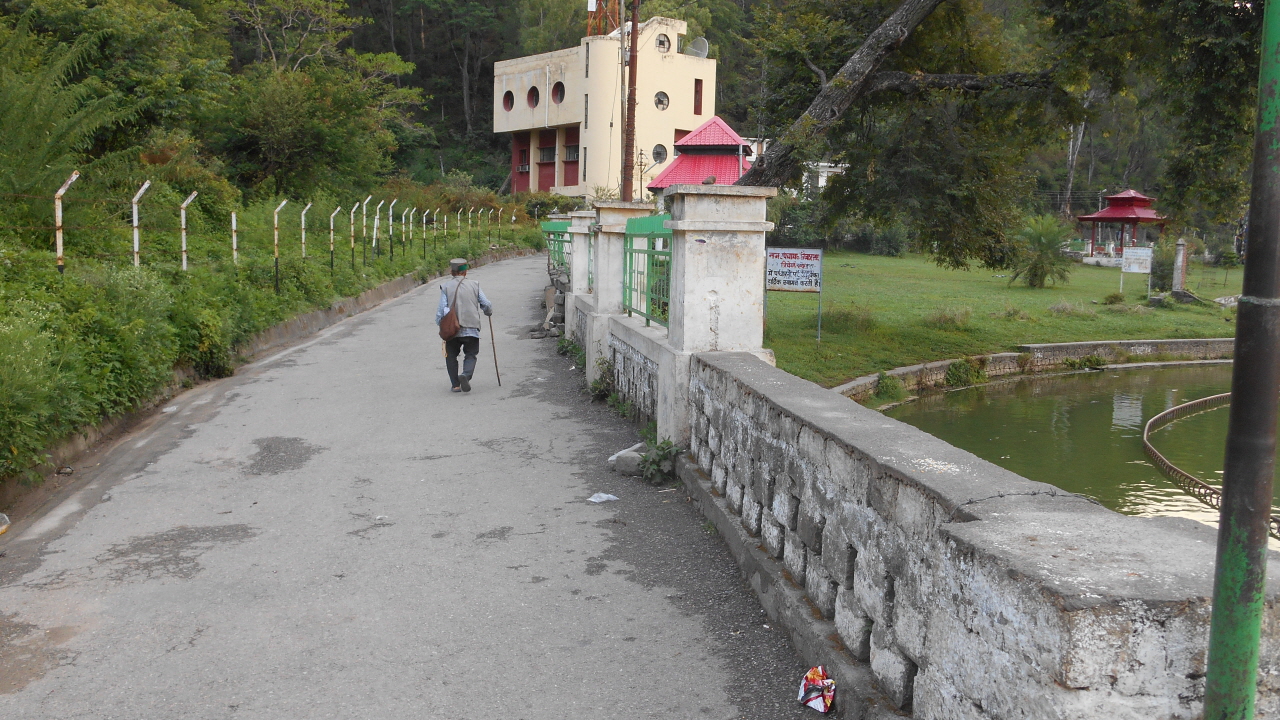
<point>1127,209</point>
<point>714,150</point>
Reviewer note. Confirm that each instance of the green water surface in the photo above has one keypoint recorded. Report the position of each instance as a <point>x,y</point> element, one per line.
<point>1083,432</point>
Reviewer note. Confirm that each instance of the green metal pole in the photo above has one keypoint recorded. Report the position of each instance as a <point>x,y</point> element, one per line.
<point>1239,587</point>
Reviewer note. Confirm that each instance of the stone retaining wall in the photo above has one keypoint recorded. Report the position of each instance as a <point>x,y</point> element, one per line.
<point>1042,357</point>
<point>971,592</point>
<point>635,377</point>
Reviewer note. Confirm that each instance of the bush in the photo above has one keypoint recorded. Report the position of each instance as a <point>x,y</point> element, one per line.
<point>1066,309</point>
<point>1089,362</point>
<point>966,371</point>
<point>1114,298</point>
<point>949,318</point>
<point>867,238</point>
<point>889,389</point>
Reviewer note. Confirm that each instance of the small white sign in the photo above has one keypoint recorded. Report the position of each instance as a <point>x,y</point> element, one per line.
<point>1136,260</point>
<point>793,269</point>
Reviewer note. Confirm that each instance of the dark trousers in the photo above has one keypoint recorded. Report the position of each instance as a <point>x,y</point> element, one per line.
<point>470,347</point>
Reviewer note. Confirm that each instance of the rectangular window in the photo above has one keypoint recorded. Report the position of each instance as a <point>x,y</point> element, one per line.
<point>524,156</point>
<point>586,68</point>
<point>570,153</point>
<point>547,154</point>
<point>697,97</point>
<point>584,164</point>
<point>585,114</point>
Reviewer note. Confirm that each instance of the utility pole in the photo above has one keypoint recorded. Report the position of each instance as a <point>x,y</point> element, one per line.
<point>629,129</point>
<point>1240,581</point>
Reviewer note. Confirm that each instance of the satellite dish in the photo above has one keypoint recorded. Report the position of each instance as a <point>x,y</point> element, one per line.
<point>697,47</point>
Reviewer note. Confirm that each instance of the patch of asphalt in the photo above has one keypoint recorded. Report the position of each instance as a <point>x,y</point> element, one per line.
<point>667,543</point>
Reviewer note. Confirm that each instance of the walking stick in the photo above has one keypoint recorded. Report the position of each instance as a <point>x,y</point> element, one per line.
<point>495,352</point>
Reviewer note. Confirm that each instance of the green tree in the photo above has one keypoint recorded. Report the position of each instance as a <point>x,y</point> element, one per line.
<point>547,25</point>
<point>1040,258</point>
<point>47,120</point>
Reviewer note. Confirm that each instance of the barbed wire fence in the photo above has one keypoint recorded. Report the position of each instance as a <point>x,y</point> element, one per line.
<point>161,235</point>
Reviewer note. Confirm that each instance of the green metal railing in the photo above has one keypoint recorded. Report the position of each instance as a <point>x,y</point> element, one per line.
<point>646,269</point>
<point>591,264</point>
<point>559,249</point>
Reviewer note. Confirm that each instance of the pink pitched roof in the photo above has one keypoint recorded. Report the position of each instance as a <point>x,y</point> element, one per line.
<point>714,132</point>
<point>1129,206</point>
<point>692,169</point>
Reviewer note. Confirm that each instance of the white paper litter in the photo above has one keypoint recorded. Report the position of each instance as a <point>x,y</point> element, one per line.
<point>602,498</point>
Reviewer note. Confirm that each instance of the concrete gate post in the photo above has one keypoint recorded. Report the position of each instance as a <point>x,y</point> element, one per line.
<point>611,225</point>
<point>578,298</point>
<point>717,286</point>
<point>1180,266</point>
<point>717,267</point>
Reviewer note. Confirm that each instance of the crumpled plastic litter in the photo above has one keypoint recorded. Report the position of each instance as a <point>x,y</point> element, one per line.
<point>817,690</point>
<point>4,523</point>
<point>602,498</point>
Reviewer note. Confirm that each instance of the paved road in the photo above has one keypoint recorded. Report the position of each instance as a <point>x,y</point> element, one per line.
<point>331,533</point>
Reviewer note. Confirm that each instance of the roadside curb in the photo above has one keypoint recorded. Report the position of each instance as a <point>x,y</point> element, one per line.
<point>814,637</point>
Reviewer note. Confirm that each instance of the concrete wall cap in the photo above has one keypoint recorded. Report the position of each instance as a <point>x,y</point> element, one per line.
<point>730,190</point>
<point>621,205</point>
<point>722,225</point>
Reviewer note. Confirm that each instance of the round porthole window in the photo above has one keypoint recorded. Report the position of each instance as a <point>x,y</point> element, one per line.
<point>557,93</point>
<point>663,43</point>
<point>508,101</point>
<point>659,153</point>
<point>661,101</point>
<point>532,97</point>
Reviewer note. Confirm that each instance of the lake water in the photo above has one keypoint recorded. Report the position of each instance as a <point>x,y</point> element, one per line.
<point>1083,432</point>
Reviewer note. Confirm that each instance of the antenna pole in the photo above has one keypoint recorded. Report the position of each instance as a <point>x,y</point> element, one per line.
<point>629,133</point>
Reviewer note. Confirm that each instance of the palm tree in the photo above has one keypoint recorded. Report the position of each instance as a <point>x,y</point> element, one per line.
<point>1040,255</point>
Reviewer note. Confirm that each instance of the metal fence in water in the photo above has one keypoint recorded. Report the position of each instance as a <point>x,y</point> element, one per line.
<point>1194,486</point>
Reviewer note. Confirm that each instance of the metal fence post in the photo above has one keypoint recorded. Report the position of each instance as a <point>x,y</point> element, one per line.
<point>351,222</point>
<point>412,212</point>
<point>57,217</point>
<point>276,241</point>
<point>335,212</point>
<point>402,214</point>
<point>435,229</point>
<point>377,218</point>
<point>137,199</point>
<point>391,228</point>
<point>182,211</point>
<point>235,243</point>
<point>303,224</point>
<point>364,230</point>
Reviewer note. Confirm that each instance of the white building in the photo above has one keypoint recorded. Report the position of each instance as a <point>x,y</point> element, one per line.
<point>564,109</point>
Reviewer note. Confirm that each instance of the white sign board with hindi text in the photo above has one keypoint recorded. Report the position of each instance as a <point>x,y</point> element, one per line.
<point>1136,260</point>
<point>793,269</point>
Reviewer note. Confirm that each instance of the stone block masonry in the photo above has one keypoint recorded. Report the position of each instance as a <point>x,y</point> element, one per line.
<point>969,592</point>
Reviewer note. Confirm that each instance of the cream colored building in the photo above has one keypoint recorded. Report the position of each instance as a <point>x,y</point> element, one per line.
<point>564,109</point>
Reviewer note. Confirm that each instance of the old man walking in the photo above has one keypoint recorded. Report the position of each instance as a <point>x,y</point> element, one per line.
<point>469,301</point>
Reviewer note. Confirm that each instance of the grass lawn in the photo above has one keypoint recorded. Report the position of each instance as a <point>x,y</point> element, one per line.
<point>880,313</point>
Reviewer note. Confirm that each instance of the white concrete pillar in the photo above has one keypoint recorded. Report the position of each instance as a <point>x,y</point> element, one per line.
<point>610,228</point>
<point>717,267</point>
<point>578,298</point>
<point>1180,266</point>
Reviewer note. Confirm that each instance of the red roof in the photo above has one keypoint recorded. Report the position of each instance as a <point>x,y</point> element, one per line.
<point>690,169</point>
<point>1129,206</point>
<point>714,132</point>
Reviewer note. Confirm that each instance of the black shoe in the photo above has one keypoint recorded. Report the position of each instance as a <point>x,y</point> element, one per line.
<point>464,382</point>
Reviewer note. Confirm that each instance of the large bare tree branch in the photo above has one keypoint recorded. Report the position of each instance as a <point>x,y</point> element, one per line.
<point>908,83</point>
<point>780,162</point>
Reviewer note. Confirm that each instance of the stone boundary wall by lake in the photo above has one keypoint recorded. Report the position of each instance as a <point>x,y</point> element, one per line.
<point>1046,357</point>
<point>970,592</point>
